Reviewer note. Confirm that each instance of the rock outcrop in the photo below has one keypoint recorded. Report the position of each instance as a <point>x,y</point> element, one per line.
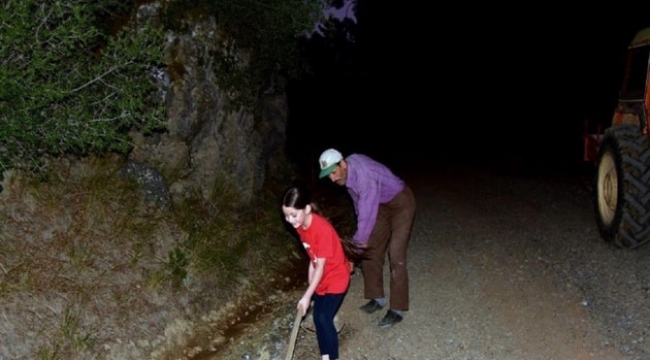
<point>209,139</point>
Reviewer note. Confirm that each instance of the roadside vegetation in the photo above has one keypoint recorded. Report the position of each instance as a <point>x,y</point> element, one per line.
<point>85,262</point>
<point>78,76</point>
<point>88,270</point>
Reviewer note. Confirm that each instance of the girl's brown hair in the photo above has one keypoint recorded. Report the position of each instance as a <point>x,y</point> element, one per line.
<point>298,197</point>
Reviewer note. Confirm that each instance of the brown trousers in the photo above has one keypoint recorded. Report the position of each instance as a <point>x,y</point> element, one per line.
<point>391,233</point>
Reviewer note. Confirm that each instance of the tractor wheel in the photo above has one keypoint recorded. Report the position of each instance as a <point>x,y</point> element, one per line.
<point>622,189</point>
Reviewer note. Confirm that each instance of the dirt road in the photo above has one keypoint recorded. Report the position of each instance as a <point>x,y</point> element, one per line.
<point>502,265</point>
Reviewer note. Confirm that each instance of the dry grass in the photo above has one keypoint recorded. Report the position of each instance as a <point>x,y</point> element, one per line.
<point>88,271</point>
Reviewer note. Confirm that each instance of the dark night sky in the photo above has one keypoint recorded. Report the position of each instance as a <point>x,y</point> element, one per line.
<point>461,82</point>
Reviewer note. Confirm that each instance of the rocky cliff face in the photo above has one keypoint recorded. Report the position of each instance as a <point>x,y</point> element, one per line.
<point>99,274</point>
<point>210,141</point>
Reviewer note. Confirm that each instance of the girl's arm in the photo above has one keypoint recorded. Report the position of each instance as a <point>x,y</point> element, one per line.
<point>310,272</point>
<point>315,278</point>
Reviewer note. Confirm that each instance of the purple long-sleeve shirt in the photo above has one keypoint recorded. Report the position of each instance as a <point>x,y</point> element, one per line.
<point>370,184</point>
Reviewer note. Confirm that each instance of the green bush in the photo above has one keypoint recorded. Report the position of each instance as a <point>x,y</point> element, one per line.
<point>68,84</point>
<point>75,77</point>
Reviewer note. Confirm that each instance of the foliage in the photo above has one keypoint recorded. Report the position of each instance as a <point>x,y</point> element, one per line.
<point>68,85</point>
<point>76,77</point>
<point>232,241</point>
<point>177,262</point>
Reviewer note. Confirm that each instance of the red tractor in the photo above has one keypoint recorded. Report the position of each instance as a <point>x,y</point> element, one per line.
<point>622,156</point>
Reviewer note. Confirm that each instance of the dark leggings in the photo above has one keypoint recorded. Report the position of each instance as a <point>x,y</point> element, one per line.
<point>325,307</point>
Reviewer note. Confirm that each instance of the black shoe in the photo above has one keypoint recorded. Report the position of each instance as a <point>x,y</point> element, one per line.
<point>390,319</point>
<point>371,306</point>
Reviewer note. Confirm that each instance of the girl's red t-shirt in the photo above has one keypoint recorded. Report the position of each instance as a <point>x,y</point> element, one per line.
<point>322,241</point>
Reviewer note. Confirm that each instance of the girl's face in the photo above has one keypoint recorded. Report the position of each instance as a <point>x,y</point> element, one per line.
<point>297,217</point>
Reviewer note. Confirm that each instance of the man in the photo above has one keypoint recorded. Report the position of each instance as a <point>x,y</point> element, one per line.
<point>385,210</point>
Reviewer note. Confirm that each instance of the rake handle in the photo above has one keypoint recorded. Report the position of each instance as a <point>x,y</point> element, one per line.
<point>294,335</point>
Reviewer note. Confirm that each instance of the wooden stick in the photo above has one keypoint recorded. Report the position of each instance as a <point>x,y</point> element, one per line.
<point>294,335</point>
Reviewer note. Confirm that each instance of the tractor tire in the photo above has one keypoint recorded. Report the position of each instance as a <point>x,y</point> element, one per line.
<point>621,187</point>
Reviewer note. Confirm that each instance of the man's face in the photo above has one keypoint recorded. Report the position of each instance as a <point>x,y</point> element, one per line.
<point>340,174</point>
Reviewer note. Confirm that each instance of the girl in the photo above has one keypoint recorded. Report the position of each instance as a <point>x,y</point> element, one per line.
<point>328,271</point>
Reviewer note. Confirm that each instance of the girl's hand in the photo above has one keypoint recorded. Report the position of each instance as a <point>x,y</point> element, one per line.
<point>303,305</point>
